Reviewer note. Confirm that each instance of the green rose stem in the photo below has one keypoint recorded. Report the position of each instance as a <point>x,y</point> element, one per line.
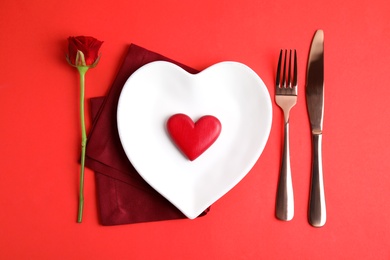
<point>82,70</point>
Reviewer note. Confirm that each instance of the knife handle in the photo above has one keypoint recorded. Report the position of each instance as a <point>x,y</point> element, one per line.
<point>317,207</point>
<point>285,195</point>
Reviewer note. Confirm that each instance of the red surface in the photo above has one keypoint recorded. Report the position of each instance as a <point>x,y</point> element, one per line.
<point>39,132</point>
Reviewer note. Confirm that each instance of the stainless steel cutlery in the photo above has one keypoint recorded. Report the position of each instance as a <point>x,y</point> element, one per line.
<point>315,108</point>
<point>286,94</point>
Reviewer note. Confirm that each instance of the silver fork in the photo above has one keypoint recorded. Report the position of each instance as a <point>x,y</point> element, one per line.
<point>286,95</point>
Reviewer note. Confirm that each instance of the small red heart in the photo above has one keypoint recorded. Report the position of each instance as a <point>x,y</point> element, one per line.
<point>193,138</point>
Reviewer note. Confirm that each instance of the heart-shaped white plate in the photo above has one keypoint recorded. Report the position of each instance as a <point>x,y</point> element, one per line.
<point>230,91</point>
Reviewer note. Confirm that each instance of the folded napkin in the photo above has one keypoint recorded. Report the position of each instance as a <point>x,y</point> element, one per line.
<point>123,196</point>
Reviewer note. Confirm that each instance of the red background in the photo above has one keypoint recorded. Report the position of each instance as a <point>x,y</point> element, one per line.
<point>40,135</point>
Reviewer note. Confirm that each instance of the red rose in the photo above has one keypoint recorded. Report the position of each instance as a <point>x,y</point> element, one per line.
<point>83,51</point>
<point>83,54</point>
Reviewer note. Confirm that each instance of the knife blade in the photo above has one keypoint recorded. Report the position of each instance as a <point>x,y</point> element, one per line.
<point>315,108</point>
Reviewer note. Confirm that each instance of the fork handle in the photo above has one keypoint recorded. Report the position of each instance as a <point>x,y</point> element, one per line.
<point>285,195</point>
<point>317,207</point>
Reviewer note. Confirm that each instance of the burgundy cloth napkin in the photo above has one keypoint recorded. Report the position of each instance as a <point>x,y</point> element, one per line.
<point>123,196</point>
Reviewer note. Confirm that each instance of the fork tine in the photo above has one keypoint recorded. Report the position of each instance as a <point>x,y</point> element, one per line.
<point>289,70</point>
<point>295,83</point>
<point>284,69</point>
<point>278,70</point>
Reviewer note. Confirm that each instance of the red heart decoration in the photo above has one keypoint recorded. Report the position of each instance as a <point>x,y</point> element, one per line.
<point>193,138</point>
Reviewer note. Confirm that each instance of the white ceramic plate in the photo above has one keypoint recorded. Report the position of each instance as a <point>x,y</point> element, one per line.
<point>230,91</point>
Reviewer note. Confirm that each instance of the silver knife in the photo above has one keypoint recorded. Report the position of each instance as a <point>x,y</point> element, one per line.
<point>315,107</point>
